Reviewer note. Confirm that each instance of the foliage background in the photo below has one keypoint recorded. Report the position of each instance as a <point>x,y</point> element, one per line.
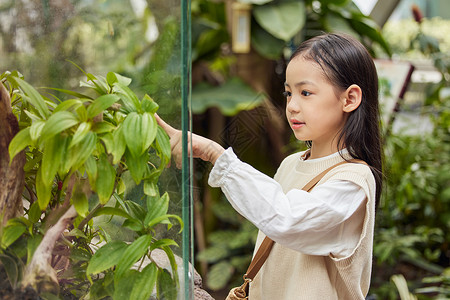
<point>413,222</point>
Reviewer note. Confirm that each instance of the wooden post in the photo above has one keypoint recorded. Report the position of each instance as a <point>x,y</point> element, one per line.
<point>12,176</point>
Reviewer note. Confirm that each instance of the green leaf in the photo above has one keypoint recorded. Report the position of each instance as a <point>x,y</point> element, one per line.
<point>219,274</point>
<point>11,268</point>
<point>148,105</point>
<point>163,146</point>
<point>266,44</point>
<point>100,104</point>
<point>132,254</point>
<point>81,151</point>
<point>156,207</point>
<point>130,100</point>
<point>32,244</point>
<point>105,179</point>
<point>151,188</point>
<point>57,123</point>
<point>69,105</point>
<point>166,286</point>
<point>281,19</point>
<point>80,200</point>
<point>143,287</point>
<point>136,165</point>
<point>135,209</point>
<point>231,97</point>
<point>11,233</point>
<point>43,191</point>
<point>111,211</point>
<point>112,78</point>
<point>133,224</point>
<point>132,131</point>
<point>71,93</point>
<point>149,129</point>
<point>35,129</point>
<point>91,169</point>
<point>103,127</point>
<point>80,133</point>
<point>119,144</point>
<point>161,243</point>
<point>139,131</point>
<point>165,219</point>
<point>52,157</point>
<point>33,97</point>
<point>213,254</point>
<point>19,142</point>
<point>34,213</point>
<point>124,285</point>
<point>106,257</point>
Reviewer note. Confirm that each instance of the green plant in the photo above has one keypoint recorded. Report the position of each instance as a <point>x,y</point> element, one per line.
<point>92,167</point>
<point>230,250</point>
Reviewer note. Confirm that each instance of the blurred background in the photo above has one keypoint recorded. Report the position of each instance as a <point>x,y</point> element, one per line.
<point>239,53</point>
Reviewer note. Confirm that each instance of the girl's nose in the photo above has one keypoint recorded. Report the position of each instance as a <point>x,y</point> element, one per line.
<point>293,106</point>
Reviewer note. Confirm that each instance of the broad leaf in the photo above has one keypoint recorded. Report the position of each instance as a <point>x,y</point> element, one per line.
<point>124,285</point>
<point>20,141</point>
<point>132,254</point>
<point>156,207</point>
<point>58,122</point>
<point>91,169</point>
<point>166,287</point>
<point>163,146</point>
<point>33,97</point>
<point>231,97</point>
<point>105,179</point>
<point>136,165</point>
<point>100,104</point>
<point>112,78</point>
<point>111,211</point>
<point>132,131</point>
<point>106,257</point>
<point>10,266</point>
<point>69,105</point>
<point>52,157</point>
<point>266,44</point>
<point>130,100</point>
<point>43,191</point>
<point>81,151</point>
<point>80,133</point>
<point>11,233</point>
<point>143,287</point>
<point>148,105</point>
<point>161,243</point>
<point>219,274</point>
<point>281,19</point>
<point>80,200</point>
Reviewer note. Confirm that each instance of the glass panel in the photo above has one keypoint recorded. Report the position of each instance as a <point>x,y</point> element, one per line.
<point>148,41</point>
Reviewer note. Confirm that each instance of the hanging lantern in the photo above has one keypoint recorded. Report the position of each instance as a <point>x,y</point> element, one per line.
<point>241,27</point>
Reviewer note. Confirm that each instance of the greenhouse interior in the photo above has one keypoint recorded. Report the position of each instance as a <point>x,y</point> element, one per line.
<point>118,199</point>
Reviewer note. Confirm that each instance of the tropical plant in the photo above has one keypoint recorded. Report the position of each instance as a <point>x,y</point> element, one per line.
<point>93,208</point>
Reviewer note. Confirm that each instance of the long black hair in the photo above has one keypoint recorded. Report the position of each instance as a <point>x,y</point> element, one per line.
<point>345,61</point>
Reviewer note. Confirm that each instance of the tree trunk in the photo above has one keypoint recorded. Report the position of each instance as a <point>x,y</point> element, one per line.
<point>12,176</point>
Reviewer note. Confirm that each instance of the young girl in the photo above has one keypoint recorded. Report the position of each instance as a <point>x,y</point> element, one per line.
<point>323,238</point>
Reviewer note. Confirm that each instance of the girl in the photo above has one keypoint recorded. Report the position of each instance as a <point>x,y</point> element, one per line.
<point>323,238</point>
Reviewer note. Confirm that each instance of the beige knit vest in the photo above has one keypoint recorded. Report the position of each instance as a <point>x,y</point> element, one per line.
<point>290,275</point>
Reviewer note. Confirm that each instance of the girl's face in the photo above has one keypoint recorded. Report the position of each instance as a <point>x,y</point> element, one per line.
<point>314,110</point>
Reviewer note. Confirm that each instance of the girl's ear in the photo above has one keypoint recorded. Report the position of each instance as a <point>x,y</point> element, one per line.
<point>351,98</point>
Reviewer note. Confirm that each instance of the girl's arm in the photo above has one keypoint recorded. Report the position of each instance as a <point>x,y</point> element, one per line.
<point>328,220</point>
<point>202,147</point>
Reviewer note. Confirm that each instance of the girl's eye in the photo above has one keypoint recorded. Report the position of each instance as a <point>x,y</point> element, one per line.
<point>287,94</point>
<point>306,93</point>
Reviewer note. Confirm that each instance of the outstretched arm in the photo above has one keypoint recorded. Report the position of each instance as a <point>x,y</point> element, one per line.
<point>201,147</point>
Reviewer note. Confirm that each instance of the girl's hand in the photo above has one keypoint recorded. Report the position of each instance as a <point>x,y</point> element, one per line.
<point>202,147</point>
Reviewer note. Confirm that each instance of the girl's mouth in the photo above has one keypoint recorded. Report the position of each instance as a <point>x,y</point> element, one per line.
<point>295,124</point>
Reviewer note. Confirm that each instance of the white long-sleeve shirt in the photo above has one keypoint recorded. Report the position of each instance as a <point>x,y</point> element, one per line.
<point>313,223</point>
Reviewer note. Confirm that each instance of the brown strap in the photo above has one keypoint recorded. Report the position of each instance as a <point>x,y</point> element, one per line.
<point>266,245</point>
